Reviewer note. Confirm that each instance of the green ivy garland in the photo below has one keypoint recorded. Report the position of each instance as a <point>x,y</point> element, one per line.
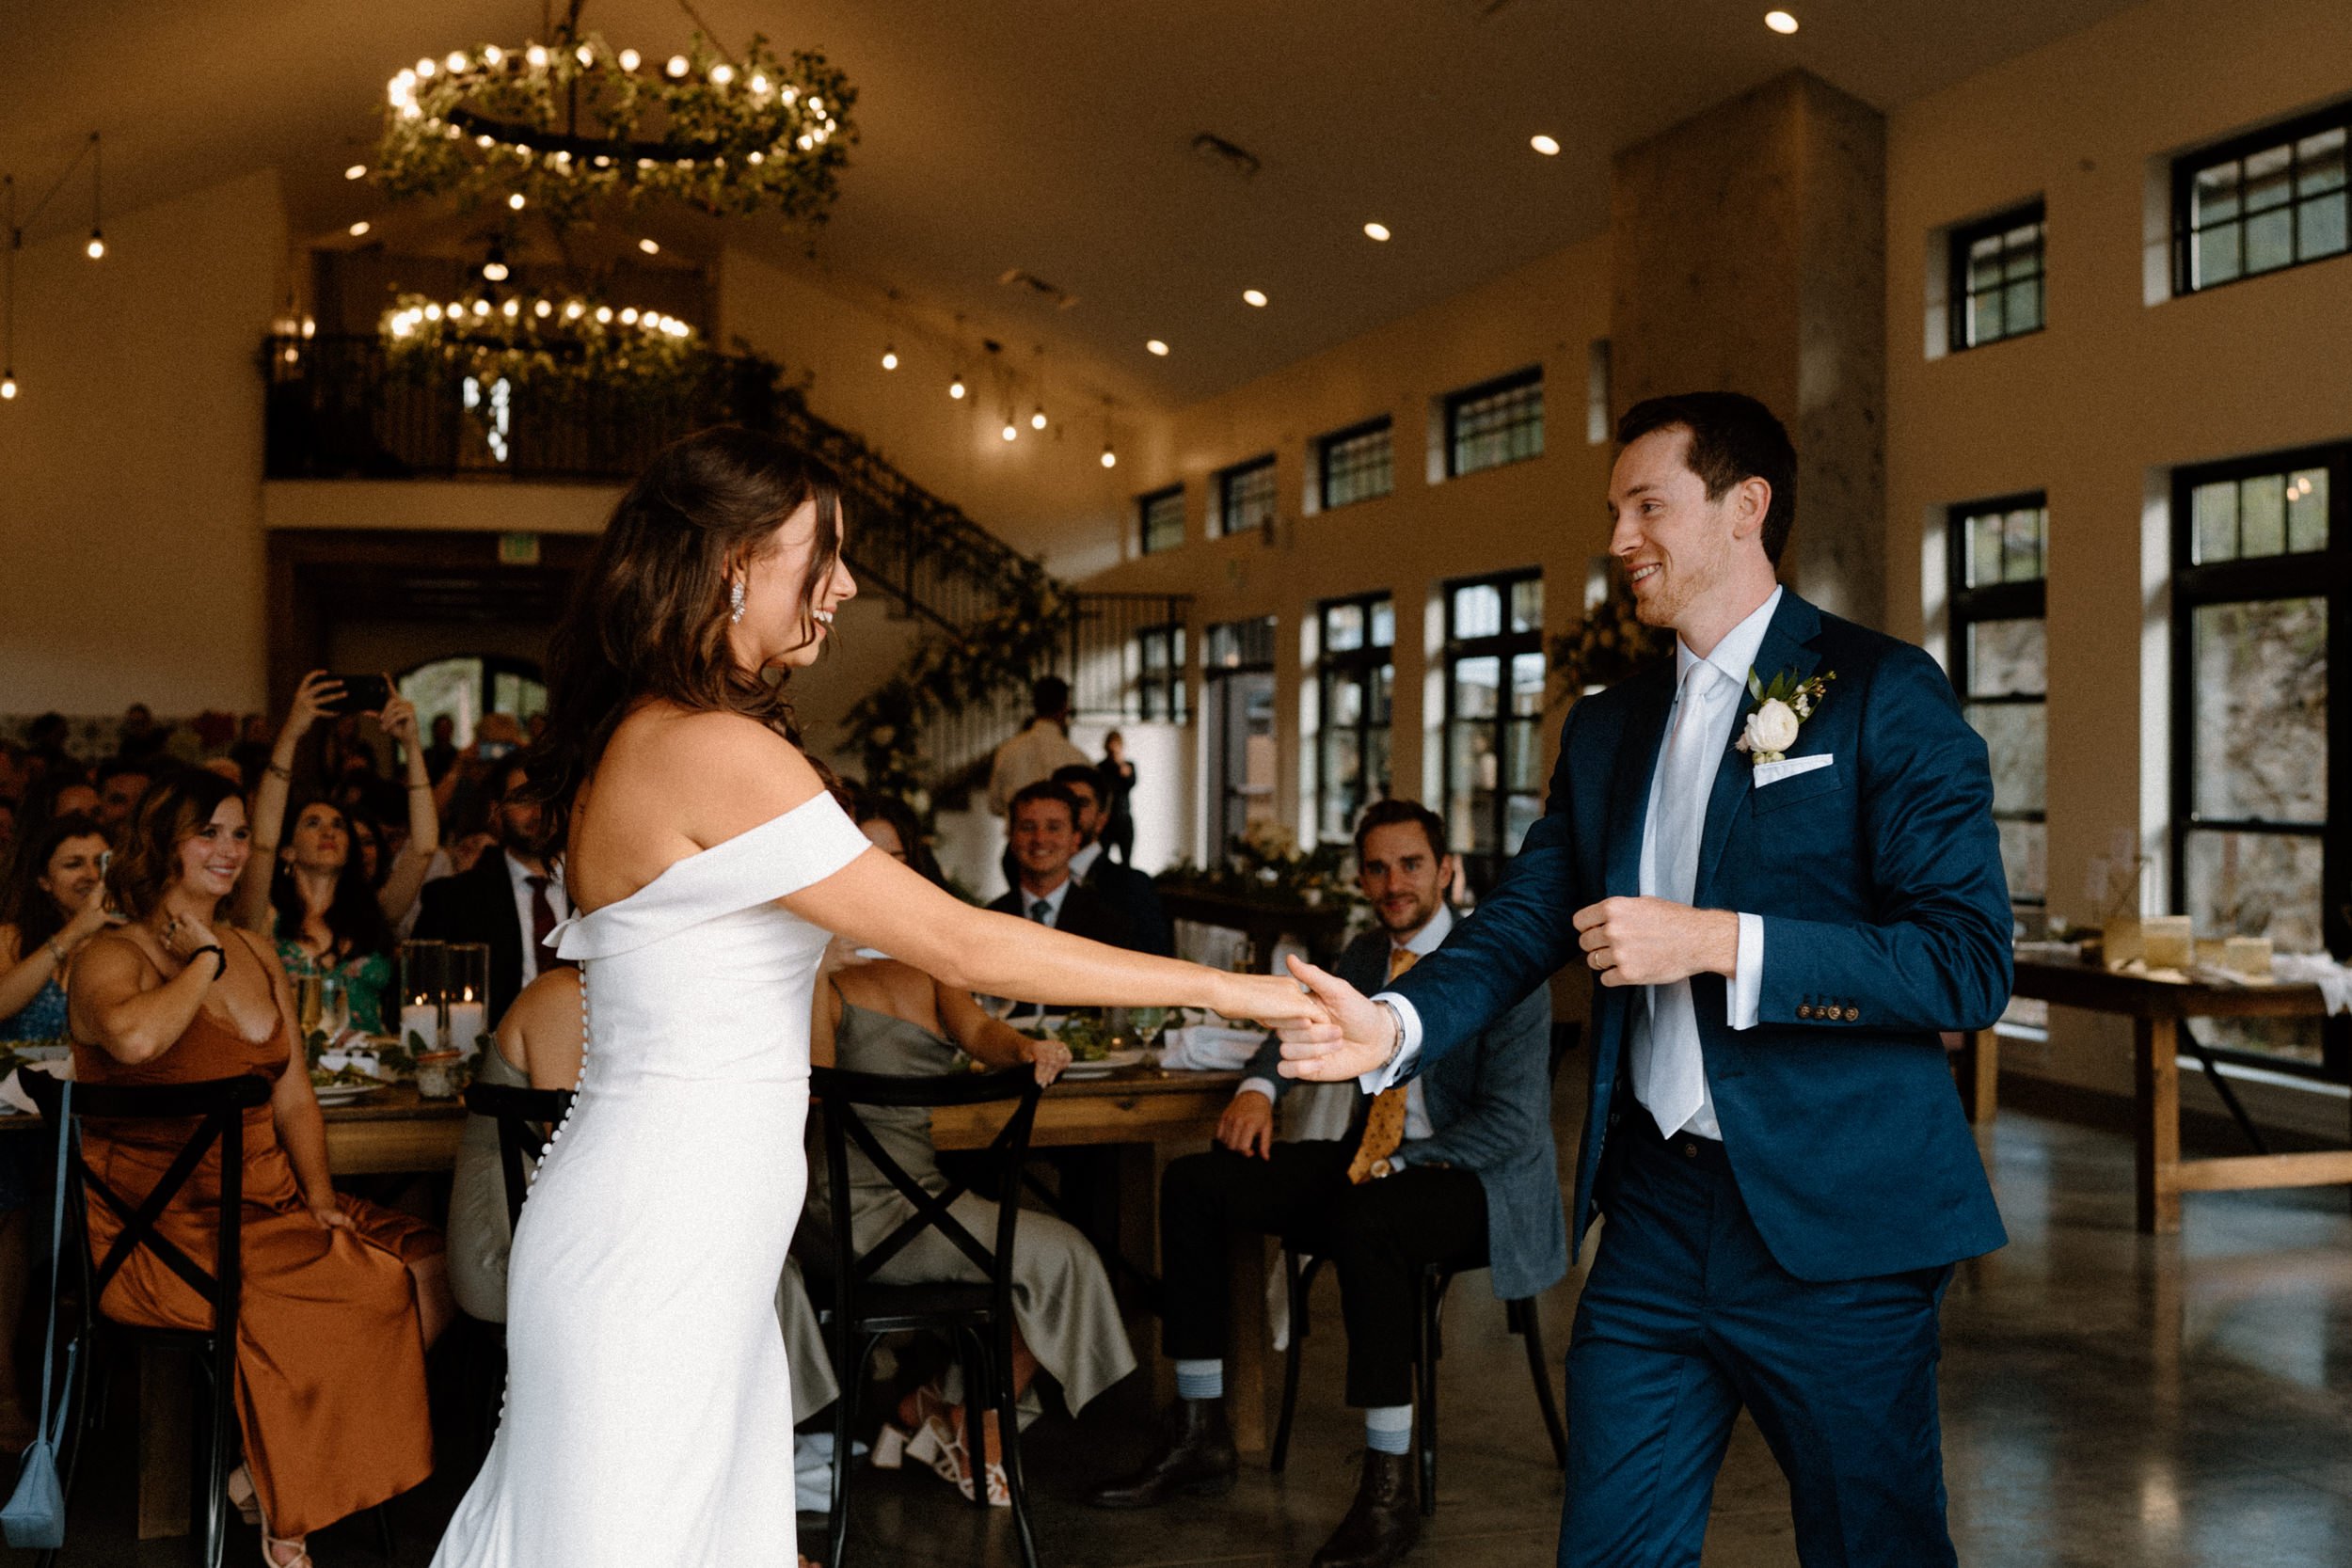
<point>561,347</point>
<point>1609,647</point>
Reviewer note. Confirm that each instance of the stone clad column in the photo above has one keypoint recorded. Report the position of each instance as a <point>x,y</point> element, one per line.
<point>1750,256</point>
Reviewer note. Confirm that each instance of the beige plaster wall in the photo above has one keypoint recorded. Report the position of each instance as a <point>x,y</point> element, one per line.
<point>1547,511</point>
<point>131,462</point>
<point>2117,392</point>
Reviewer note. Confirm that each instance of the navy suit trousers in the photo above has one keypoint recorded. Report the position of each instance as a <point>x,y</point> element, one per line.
<point>1686,1317</point>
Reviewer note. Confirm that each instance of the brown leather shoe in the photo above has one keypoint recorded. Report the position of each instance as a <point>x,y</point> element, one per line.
<point>1382,1523</point>
<point>1196,1459</point>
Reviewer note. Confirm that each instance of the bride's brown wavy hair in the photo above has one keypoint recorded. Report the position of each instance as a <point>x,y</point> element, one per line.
<point>648,618</point>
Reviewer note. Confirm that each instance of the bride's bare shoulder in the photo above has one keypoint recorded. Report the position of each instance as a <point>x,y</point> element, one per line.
<point>726,771</point>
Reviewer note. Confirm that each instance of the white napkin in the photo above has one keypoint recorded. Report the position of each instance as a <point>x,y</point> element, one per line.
<point>1209,1047</point>
<point>2316,969</point>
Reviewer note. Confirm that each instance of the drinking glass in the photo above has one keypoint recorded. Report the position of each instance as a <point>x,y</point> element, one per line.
<point>334,1006</point>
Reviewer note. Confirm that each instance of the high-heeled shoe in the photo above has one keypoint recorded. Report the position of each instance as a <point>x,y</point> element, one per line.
<point>956,1463</point>
<point>242,1497</point>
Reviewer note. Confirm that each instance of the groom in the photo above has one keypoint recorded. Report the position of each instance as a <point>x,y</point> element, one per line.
<point>1779,930</point>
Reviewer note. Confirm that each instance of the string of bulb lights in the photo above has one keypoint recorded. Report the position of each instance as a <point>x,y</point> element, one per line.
<point>94,247</point>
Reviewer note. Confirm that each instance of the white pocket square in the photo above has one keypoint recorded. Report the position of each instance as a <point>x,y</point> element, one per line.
<point>1788,768</point>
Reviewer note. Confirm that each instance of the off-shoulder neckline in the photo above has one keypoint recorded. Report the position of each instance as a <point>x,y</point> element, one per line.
<point>698,856</point>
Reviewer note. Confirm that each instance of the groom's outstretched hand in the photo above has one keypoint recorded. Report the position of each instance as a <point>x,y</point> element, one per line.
<point>1358,1036</point>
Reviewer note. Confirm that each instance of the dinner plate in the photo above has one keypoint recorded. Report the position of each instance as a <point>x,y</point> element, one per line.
<point>344,1094</point>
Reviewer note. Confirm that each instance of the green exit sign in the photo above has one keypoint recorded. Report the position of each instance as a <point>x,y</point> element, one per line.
<point>518,550</point>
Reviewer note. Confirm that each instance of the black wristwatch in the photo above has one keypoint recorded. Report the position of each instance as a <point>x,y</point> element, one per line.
<point>221,959</point>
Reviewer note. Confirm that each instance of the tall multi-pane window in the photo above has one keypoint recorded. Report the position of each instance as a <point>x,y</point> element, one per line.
<point>2273,198</point>
<point>1353,465</point>
<point>1160,691</point>
<point>1496,422</point>
<point>1245,496</point>
<point>1997,277</point>
<point>2000,553</point>
<point>1160,519</point>
<point>1356,677</point>
<point>1237,702</point>
<point>2262,566</point>
<point>1494,704</point>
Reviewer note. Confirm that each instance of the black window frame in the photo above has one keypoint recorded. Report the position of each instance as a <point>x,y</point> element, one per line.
<point>1144,505</point>
<point>1327,445</point>
<point>1456,402</point>
<point>1164,692</point>
<point>1961,297</point>
<point>1360,665</point>
<point>1225,477</point>
<point>2188,165</point>
<point>1999,601</point>
<point>2286,576</point>
<point>1481,867</point>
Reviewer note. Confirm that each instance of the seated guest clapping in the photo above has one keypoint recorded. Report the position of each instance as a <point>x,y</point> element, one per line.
<point>55,902</point>
<point>887,1017</point>
<point>538,1046</point>
<point>314,895</point>
<point>1455,1167</point>
<point>341,1298</point>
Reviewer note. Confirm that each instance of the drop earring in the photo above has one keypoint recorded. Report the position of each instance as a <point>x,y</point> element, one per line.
<point>734,600</point>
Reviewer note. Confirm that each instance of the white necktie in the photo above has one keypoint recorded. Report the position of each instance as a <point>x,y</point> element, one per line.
<point>1669,1077</point>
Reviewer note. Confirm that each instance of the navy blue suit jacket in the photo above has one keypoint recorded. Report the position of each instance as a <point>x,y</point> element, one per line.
<point>1885,916</point>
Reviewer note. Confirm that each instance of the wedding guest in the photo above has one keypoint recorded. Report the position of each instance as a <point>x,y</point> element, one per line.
<point>1127,890</point>
<point>314,895</point>
<point>1042,745</point>
<point>54,903</point>
<point>509,900</point>
<point>60,789</point>
<point>121,781</point>
<point>140,738</point>
<point>340,1299</point>
<point>442,755</point>
<point>886,1017</point>
<point>1119,791</point>
<point>1457,1167</point>
<point>251,750</point>
<point>1044,834</point>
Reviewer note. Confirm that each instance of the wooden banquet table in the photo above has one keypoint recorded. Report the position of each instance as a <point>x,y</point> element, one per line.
<point>2157,1010</point>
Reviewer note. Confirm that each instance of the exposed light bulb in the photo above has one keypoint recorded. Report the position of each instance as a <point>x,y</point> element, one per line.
<point>651,247</point>
<point>537,55</point>
<point>493,55</point>
<point>955,387</point>
<point>96,250</point>
<point>516,202</point>
<point>574,311</point>
<point>890,359</point>
<point>678,65</point>
<point>1780,22</point>
<point>1110,458</point>
<point>1254,297</point>
<point>584,55</point>
<point>1158,347</point>
<point>494,270</point>
<point>8,386</point>
<point>721,75</point>
<point>358,228</point>
<point>1548,146</point>
<point>310,326</point>
<point>1377,230</point>
<point>1011,431</point>
<point>628,315</point>
<point>456,62</point>
<point>425,70</point>
<point>604,315</point>
<point>630,59</point>
<point>356,171</point>
<point>1036,420</point>
<point>543,310</point>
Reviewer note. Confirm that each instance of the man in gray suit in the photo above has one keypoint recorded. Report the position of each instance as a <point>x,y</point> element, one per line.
<point>1455,1167</point>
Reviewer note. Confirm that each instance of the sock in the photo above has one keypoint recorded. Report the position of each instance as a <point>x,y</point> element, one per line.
<point>1388,1428</point>
<point>1201,1380</point>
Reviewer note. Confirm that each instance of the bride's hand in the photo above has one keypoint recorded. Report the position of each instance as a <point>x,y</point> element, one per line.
<point>1270,998</point>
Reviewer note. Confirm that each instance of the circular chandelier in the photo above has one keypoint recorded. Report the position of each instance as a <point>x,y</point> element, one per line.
<point>559,344</point>
<point>573,124</point>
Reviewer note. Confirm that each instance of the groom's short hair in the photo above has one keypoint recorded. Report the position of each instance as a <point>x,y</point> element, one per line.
<point>1732,438</point>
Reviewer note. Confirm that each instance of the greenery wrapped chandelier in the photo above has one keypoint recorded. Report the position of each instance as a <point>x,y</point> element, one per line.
<point>571,126</point>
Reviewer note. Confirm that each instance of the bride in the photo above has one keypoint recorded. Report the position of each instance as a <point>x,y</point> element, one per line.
<point>648,1420</point>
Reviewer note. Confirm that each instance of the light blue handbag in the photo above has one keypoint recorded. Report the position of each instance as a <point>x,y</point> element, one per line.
<point>34,1514</point>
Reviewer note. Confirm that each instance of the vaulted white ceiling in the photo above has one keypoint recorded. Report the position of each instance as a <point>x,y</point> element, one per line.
<point>1048,135</point>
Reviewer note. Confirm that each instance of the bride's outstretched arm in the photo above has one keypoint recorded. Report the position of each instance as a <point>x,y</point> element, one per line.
<point>881,903</point>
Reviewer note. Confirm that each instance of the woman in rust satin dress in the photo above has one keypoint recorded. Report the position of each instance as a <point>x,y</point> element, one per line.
<point>341,1298</point>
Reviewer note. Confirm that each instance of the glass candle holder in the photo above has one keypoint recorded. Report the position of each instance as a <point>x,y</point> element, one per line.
<point>424,991</point>
<point>468,1013</point>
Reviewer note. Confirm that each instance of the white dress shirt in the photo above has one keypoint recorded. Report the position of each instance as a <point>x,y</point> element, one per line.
<point>1734,657</point>
<point>1054,899</point>
<point>519,876</point>
<point>1082,861</point>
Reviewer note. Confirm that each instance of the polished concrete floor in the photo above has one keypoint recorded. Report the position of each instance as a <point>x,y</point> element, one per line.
<point>2109,1400</point>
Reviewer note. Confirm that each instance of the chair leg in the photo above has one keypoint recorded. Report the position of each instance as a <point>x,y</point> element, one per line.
<point>1529,1324</point>
<point>223,1414</point>
<point>1008,1424</point>
<point>980,1394</point>
<point>1425,1365</point>
<point>384,1531</point>
<point>1297,1283</point>
<point>853,1381</point>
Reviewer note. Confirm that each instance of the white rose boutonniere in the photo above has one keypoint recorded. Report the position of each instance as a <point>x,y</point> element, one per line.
<point>1781,710</point>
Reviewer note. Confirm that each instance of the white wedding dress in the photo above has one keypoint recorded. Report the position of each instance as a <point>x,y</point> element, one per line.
<point>648,1416</point>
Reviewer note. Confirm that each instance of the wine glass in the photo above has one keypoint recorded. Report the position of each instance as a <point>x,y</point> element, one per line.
<point>334,1006</point>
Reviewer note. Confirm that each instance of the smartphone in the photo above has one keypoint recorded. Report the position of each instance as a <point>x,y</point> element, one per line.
<point>491,751</point>
<point>360,694</point>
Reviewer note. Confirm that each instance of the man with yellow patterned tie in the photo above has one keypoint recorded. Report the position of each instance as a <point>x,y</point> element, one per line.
<point>1455,1166</point>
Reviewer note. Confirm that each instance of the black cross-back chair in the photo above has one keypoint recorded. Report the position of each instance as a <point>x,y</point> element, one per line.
<point>218,1107</point>
<point>1521,1317</point>
<point>525,1118</point>
<point>977,1318</point>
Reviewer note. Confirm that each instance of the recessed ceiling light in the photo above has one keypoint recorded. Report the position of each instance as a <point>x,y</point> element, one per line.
<point>356,171</point>
<point>1780,22</point>
<point>358,228</point>
<point>1011,431</point>
<point>1377,230</point>
<point>1548,146</point>
<point>1254,297</point>
<point>651,247</point>
<point>890,359</point>
<point>1158,347</point>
